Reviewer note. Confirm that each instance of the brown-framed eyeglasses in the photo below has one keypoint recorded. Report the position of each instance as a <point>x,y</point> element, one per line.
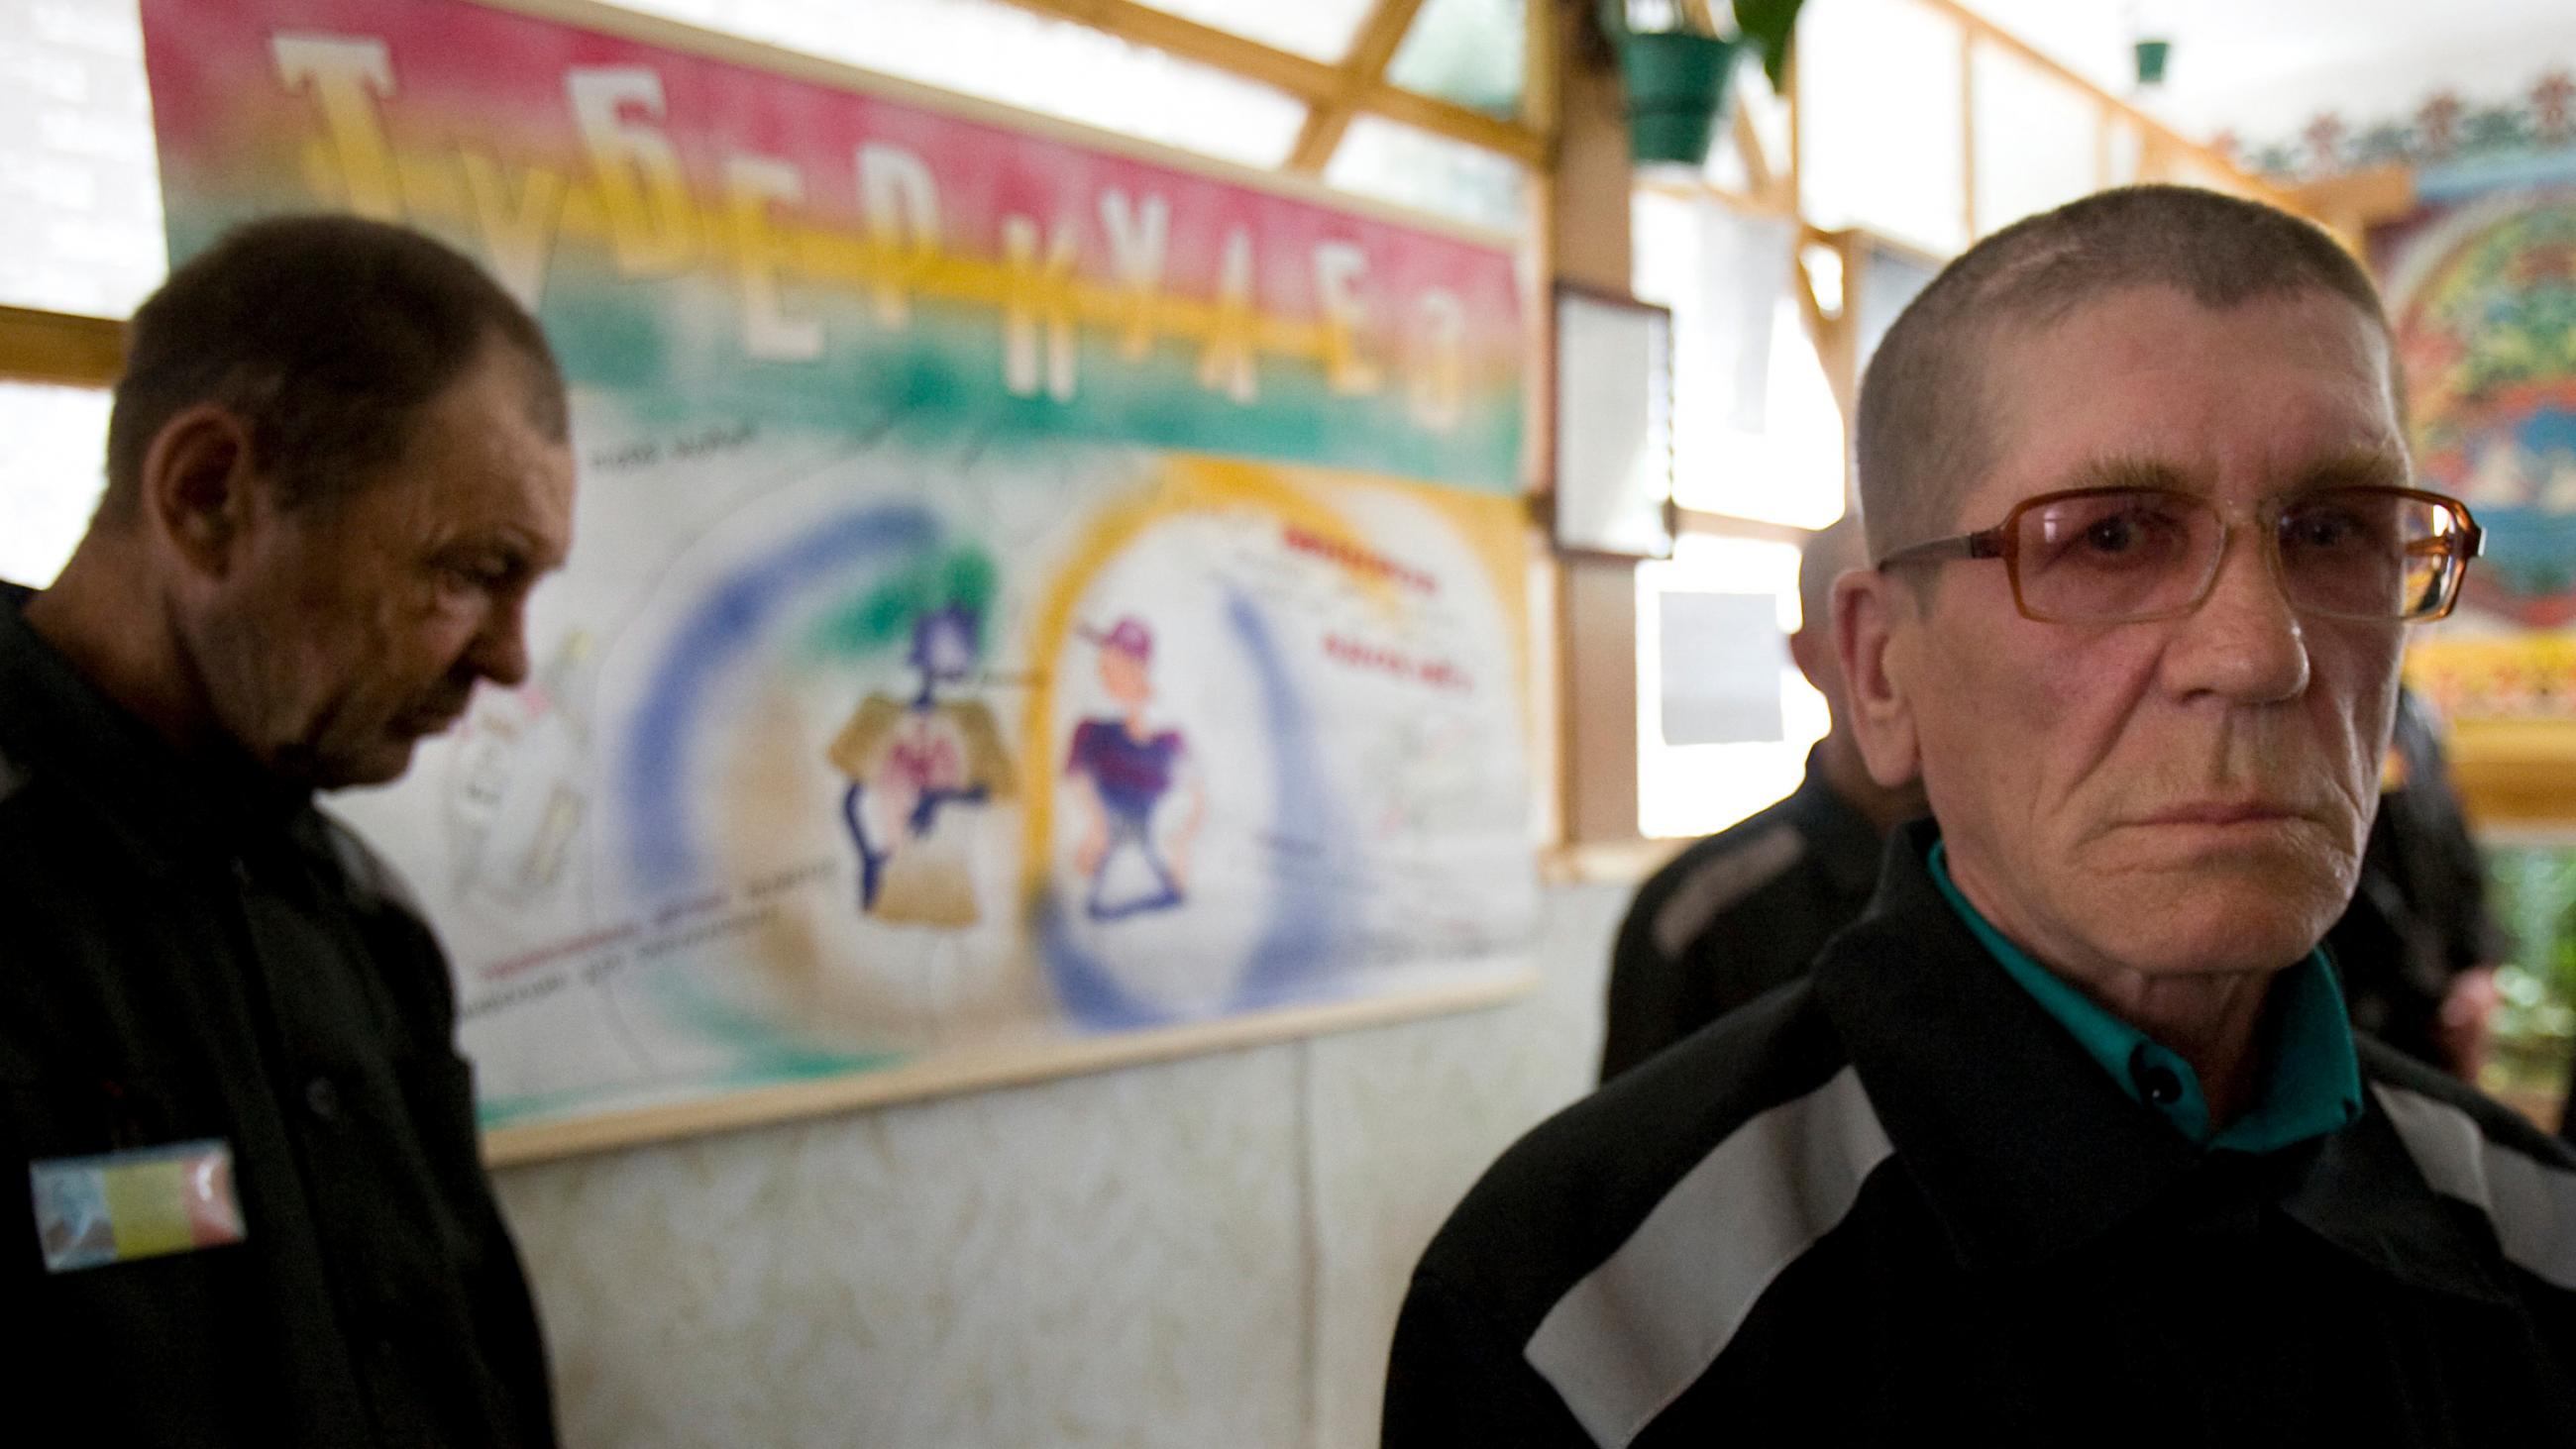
<point>2128,555</point>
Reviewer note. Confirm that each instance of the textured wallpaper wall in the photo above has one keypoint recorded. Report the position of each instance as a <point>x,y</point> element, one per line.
<point>1203,1252</point>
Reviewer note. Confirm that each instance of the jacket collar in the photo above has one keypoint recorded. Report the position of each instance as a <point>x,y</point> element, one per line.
<point>174,812</point>
<point>2027,1150</point>
<point>2311,1080</point>
<point>1841,840</point>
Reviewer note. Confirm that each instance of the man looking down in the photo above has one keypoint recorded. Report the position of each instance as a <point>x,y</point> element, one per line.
<point>249,1210</point>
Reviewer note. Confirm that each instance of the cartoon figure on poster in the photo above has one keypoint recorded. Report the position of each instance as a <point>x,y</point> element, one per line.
<point>913,765</point>
<point>1127,768</point>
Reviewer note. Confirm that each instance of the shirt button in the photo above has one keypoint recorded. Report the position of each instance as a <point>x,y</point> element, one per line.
<point>2156,1082</point>
<point>322,1098</point>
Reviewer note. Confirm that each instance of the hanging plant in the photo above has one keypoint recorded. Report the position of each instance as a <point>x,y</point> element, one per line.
<point>1767,25</point>
<point>1678,68</point>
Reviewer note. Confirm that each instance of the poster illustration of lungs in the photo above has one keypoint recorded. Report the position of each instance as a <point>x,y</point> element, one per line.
<point>2481,287</point>
<point>1034,603</point>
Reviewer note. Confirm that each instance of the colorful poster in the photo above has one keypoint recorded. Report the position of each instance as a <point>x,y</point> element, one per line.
<point>2481,287</point>
<point>1031,601</point>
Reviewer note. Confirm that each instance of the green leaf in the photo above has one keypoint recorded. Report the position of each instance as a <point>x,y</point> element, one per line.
<point>1769,25</point>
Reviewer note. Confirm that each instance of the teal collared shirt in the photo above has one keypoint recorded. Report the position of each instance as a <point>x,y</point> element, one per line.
<point>2312,1079</point>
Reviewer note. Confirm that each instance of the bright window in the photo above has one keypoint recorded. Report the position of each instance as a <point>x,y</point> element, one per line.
<point>80,186</point>
<point>2126,153</point>
<point>1713,665</point>
<point>1001,53</point>
<point>1473,52</point>
<point>1321,29</point>
<point>1409,167</point>
<point>1756,432</point>
<point>52,444</point>
<point>1890,278</point>
<point>1878,92</point>
<point>2039,142</point>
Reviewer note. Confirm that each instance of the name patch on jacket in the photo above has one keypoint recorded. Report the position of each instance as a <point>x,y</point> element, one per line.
<point>143,1203</point>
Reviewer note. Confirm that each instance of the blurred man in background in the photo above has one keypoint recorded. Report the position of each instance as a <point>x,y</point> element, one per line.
<point>1748,908</point>
<point>2418,950</point>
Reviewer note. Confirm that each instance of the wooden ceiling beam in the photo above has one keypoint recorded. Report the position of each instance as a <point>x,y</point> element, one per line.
<point>2356,201</point>
<point>1985,31</point>
<point>1311,81</point>
<point>1758,177</point>
<point>60,348</point>
<point>1372,51</point>
<point>1457,122</point>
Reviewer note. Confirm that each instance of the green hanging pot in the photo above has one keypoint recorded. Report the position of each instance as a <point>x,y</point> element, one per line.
<point>2152,55</point>
<point>1677,84</point>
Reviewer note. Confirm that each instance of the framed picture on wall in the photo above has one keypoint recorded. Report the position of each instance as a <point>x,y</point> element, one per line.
<point>1613,401</point>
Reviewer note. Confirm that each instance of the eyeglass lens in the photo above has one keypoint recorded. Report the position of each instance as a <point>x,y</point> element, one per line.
<point>2367,553</point>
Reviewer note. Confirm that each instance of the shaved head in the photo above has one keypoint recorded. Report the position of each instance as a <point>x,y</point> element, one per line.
<point>1927,404</point>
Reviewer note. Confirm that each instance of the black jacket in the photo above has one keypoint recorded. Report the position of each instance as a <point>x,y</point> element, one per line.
<point>2419,916</point>
<point>1895,1203</point>
<point>1734,916</point>
<point>185,956</point>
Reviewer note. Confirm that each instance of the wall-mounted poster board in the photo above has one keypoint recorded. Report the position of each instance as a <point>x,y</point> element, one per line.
<point>1037,603</point>
<point>2481,291</point>
<point>1614,425</point>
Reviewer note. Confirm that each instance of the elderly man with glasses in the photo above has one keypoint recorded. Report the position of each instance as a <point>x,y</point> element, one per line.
<point>2068,1140</point>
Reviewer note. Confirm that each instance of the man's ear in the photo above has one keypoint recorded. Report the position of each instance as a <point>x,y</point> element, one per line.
<point>1812,650</point>
<point>1868,609</point>
<point>199,488</point>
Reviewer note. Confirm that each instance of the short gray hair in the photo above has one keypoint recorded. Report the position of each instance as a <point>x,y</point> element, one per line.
<point>1921,438</point>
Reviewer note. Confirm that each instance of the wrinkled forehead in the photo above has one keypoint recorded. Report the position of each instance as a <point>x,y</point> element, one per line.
<point>2263,397</point>
<point>487,454</point>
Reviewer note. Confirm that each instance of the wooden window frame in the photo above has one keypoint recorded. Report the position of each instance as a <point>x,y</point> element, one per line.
<point>1598,838</point>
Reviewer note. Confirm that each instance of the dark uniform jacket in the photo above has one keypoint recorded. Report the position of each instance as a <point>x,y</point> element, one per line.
<point>186,957</point>
<point>2419,914</point>
<point>1735,915</point>
<point>1895,1203</point>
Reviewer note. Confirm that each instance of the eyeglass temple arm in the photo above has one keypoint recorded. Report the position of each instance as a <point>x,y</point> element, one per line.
<point>1988,543</point>
<point>2471,543</point>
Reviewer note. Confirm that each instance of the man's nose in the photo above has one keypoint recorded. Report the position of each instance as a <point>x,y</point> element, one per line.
<point>2244,641</point>
<point>501,649</point>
